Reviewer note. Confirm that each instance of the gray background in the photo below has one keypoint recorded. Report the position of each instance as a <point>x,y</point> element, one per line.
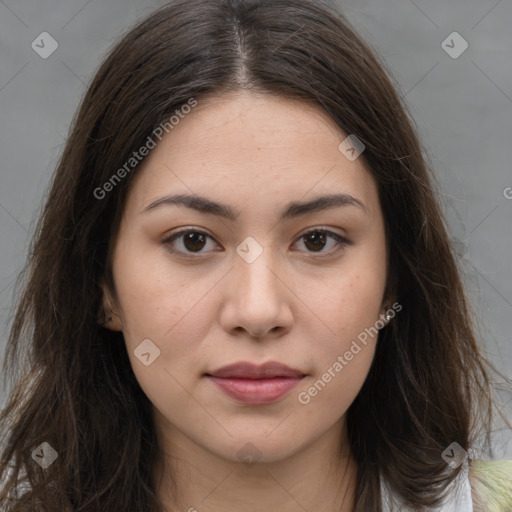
<point>462,107</point>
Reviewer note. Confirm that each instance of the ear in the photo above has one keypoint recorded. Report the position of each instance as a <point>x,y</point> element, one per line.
<point>108,315</point>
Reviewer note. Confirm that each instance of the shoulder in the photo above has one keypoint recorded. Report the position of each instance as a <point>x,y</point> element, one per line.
<point>491,485</point>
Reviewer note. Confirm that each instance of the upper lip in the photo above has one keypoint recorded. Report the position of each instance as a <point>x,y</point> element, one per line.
<point>245,370</point>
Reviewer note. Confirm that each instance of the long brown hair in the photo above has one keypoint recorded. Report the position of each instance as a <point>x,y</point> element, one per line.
<point>72,384</point>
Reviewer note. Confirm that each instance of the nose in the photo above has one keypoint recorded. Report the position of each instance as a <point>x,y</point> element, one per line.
<point>257,299</point>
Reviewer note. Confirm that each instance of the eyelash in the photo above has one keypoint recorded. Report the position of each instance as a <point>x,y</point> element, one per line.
<point>340,240</point>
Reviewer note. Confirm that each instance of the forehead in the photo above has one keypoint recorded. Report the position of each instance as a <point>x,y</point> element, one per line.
<point>244,146</point>
<point>242,122</point>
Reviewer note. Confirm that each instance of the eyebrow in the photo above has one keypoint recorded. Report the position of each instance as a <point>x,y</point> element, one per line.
<point>291,210</point>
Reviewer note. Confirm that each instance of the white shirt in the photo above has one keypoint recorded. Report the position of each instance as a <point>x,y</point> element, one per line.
<point>458,498</point>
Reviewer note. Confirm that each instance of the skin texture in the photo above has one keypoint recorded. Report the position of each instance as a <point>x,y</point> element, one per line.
<point>294,304</point>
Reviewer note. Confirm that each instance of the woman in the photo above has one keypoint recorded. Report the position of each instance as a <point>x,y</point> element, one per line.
<point>192,343</point>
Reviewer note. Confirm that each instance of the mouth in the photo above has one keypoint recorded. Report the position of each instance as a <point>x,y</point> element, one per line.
<point>252,384</point>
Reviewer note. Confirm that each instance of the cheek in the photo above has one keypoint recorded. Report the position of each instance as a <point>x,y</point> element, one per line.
<point>344,356</point>
<point>326,397</point>
<point>159,303</point>
<point>352,301</point>
<point>350,307</point>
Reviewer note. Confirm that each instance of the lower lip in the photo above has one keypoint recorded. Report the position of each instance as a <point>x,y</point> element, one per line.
<point>256,391</point>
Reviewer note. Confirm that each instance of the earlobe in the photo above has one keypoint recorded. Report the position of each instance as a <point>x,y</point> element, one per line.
<point>108,316</point>
<point>388,310</point>
<point>385,315</point>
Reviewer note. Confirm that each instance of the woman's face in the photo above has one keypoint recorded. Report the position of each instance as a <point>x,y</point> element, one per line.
<point>244,285</point>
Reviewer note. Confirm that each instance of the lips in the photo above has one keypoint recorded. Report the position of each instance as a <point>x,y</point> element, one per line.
<point>251,371</point>
<point>253,384</point>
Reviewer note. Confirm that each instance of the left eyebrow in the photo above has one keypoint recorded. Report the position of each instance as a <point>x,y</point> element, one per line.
<point>291,210</point>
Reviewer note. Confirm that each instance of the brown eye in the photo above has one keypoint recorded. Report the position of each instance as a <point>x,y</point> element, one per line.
<point>317,239</point>
<point>192,241</point>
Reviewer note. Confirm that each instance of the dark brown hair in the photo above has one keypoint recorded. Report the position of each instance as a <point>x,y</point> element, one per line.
<point>72,384</point>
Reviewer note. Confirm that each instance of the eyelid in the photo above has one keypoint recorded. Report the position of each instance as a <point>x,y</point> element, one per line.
<point>341,241</point>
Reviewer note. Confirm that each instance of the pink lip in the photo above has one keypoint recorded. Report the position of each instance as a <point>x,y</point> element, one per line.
<point>252,384</point>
